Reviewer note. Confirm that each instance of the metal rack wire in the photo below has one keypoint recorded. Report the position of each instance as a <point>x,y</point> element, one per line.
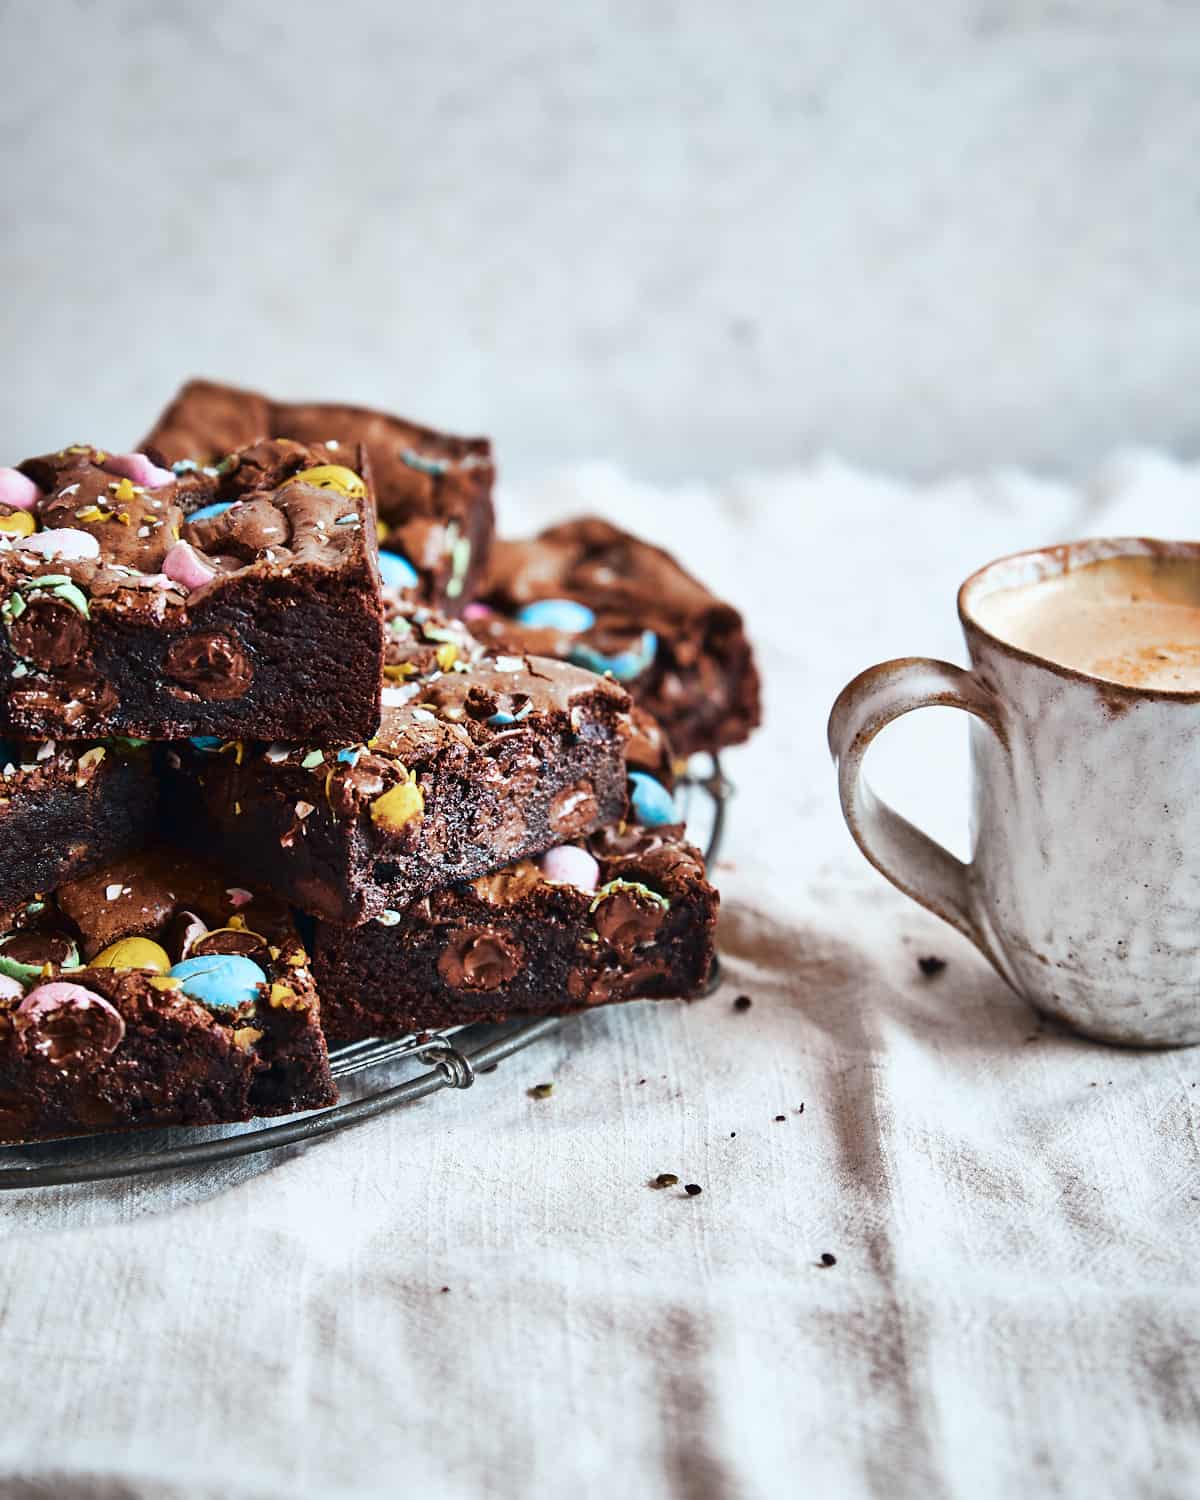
<point>451,1059</point>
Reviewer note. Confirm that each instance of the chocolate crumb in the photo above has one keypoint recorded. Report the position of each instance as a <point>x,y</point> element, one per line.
<point>540,1091</point>
<point>445,1289</point>
<point>692,1188</point>
<point>733,1133</point>
<point>665,1179</point>
<point>779,1119</point>
<point>743,1002</point>
<point>799,1111</point>
<point>827,1259</point>
<point>931,966</point>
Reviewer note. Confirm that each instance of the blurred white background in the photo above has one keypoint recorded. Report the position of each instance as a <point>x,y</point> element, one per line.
<point>696,238</point>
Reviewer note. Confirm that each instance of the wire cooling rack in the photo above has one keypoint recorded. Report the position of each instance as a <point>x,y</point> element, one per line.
<point>365,1071</point>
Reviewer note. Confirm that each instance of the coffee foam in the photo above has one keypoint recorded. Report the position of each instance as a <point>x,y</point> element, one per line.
<point>1130,620</point>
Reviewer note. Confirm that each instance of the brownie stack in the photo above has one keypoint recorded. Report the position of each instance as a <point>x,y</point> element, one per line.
<point>260,788</point>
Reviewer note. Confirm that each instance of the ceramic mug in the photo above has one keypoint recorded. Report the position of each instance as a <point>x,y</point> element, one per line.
<point>1083,887</point>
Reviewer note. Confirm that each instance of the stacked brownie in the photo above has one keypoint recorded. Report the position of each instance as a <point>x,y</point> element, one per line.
<point>227,744</point>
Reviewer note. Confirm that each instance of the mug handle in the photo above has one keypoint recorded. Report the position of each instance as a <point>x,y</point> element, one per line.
<point>910,859</point>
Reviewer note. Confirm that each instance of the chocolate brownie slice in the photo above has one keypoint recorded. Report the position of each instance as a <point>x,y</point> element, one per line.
<point>589,593</point>
<point>66,806</point>
<point>622,915</point>
<point>236,599</point>
<point>152,992</point>
<point>479,760</point>
<point>433,491</point>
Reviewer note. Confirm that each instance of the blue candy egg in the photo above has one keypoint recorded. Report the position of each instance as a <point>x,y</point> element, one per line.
<point>208,512</point>
<point>397,572</point>
<point>221,980</point>
<point>558,614</point>
<point>652,803</point>
<point>206,741</point>
<point>625,665</point>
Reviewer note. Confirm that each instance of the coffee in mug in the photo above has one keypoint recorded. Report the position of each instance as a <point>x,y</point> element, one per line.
<point>1134,620</point>
<point>1083,884</point>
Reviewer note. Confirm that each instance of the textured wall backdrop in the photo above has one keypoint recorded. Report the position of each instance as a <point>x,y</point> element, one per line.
<point>695,237</point>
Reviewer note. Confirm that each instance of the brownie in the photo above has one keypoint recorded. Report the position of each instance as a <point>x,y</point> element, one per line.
<point>241,598</point>
<point>152,992</point>
<point>433,491</point>
<point>624,914</point>
<point>479,761</point>
<point>66,806</point>
<point>589,593</point>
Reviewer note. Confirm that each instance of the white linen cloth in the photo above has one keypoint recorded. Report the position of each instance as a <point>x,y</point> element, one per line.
<point>1013,1309</point>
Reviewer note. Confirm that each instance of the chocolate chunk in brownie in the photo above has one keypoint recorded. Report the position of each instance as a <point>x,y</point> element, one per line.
<point>479,760</point>
<point>154,992</point>
<point>66,806</point>
<point>239,598</point>
<point>433,491</point>
<point>626,913</point>
<point>589,593</point>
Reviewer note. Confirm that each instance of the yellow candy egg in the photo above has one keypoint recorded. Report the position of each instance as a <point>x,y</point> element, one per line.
<point>332,477</point>
<point>20,523</point>
<point>133,953</point>
<point>399,807</point>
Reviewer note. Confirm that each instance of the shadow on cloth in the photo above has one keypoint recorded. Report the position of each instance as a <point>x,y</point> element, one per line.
<point>855,993</point>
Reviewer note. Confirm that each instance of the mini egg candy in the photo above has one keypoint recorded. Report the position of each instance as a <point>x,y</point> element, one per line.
<point>513,708</point>
<point>229,940</point>
<point>16,491</point>
<point>184,565</point>
<point>477,611</point>
<point>567,615</point>
<point>332,477</point>
<point>10,989</point>
<point>220,980</point>
<point>24,955</point>
<point>570,865</point>
<point>139,469</point>
<point>399,807</point>
<point>20,523</point>
<point>209,743</point>
<point>624,665</point>
<point>133,953</point>
<point>397,572</point>
<point>184,931</point>
<point>211,512</point>
<point>652,804</point>
<point>65,542</point>
<point>66,1023</point>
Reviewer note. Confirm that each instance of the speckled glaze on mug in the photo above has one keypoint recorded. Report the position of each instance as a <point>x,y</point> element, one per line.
<point>1083,888</point>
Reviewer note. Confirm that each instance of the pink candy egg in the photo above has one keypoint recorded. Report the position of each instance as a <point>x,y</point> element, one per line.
<point>64,542</point>
<point>65,1022</point>
<point>477,612</point>
<point>16,491</point>
<point>184,566</point>
<point>570,865</point>
<point>138,468</point>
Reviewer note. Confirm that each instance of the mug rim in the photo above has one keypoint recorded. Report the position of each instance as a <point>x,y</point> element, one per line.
<point>1065,553</point>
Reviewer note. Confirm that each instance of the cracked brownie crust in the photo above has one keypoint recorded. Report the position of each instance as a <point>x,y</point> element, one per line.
<point>433,490</point>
